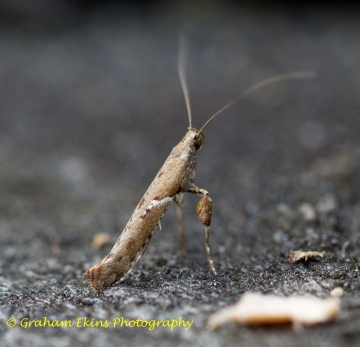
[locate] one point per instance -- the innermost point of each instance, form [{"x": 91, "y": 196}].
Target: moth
[{"x": 175, "y": 178}]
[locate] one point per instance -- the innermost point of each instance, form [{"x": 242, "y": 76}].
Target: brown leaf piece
[
  {"x": 100, "y": 239},
  {"x": 295, "y": 256},
  {"x": 259, "y": 309}
]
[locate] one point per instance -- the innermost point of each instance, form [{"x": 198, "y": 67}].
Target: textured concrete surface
[{"x": 90, "y": 108}]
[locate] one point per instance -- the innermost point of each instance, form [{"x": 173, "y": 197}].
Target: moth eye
[{"x": 197, "y": 144}]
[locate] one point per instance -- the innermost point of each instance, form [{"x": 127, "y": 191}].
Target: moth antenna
[
  {"x": 182, "y": 57},
  {"x": 259, "y": 85}
]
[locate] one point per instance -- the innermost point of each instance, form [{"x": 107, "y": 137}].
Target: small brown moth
[{"x": 175, "y": 178}]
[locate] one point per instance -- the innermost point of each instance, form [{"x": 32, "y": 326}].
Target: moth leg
[
  {"x": 178, "y": 199},
  {"x": 204, "y": 210}
]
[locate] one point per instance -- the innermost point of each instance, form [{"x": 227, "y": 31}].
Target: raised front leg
[{"x": 204, "y": 210}]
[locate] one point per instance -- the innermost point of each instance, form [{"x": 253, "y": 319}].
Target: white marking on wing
[{"x": 156, "y": 203}]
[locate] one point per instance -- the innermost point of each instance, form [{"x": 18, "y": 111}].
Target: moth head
[
  {"x": 198, "y": 141},
  {"x": 197, "y": 138}
]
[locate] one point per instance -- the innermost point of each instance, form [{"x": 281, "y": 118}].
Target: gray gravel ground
[{"x": 91, "y": 106}]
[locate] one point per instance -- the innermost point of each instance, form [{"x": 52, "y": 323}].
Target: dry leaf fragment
[
  {"x": 56, "y": 249},
  {"x": 100, "y": 239},
  {"x": 295, "y": 256},
  {"x": 337, "y": 292},
  {"x": 259, "y": 309}
]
